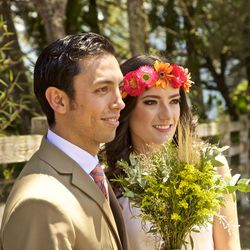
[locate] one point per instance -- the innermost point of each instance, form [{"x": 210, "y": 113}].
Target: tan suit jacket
[{"x": 54, "y": 204}]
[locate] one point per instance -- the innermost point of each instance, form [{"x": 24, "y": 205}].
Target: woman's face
[{"x": 155, "y": 117}]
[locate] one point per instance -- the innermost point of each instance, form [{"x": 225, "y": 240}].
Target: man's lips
[{"x": 114, "y": 121}]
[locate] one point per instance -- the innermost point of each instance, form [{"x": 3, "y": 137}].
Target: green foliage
[
  {"x": 74, "y": 16},
  {"x": 8, "y": 173},
  {"x": 177, "y": 197},
  {"x": 181, "y": 30},
  {"x": 113, "y": 23},
  {"x": 241, "y": 97},
  {"x": 10, "y": 107},
  {"x": 34, "y": 29}
]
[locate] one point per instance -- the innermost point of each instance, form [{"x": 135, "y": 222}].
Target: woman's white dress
[{"x": 140, "y": 240}]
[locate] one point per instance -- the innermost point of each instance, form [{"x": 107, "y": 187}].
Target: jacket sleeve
[{"x": 37, "y": 224}]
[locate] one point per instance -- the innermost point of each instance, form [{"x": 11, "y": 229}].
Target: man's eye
[
  {"x": 102, "y": 90},
  {"x": 150, "y": 102}
]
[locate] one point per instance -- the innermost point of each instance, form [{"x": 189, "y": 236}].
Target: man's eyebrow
[
  {"x": 107, "y": 81},
  {"x": 102, "y": 81}
]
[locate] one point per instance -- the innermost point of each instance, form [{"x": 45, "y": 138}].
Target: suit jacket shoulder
[{"x": 53, "y": 188}]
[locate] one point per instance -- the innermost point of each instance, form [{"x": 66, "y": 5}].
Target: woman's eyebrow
[
  {"x": 151, "y": 96},
  {"x": 158, "y": 97}
]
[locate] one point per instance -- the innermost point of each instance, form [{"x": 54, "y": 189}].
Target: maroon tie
[{"x": 98, "y": 176}]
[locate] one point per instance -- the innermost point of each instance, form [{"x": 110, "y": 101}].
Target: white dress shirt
[{"x": 86, "y": 161}]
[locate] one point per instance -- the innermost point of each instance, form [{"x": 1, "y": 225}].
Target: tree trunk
[
  {"x": 73, "y": 13},
  {"x": 52, "y": 13},
  {"x": 220, "y": 80},
  {"x": 194, "y": 65},
  {"x": 18, "y": 68},
  {"x": 246, "y": 56},
  {"x": 137, "y": 27},
  {"x": 93, "y": 16},
  {"x": 171, "y": 19}
]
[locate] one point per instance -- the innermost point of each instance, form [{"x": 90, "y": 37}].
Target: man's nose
[{"x": 118, "y": 103}]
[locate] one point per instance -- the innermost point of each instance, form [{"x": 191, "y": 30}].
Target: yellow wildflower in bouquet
[{"x": 177, "y": 188}]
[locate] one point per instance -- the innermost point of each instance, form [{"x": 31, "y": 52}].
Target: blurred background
[{"x": 211, "y": 38}]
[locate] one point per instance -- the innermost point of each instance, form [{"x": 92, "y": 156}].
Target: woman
[{"x": 155, "y": 102}]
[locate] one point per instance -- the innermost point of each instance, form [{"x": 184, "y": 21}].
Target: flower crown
[{"x": 161, "y": 75}]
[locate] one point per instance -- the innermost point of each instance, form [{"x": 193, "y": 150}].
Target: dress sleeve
[
  {"x": 37, "y": 224},
  {"x": 226, "y": 231}
]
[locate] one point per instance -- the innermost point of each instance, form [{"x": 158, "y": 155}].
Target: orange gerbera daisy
[
  {"x": 188, "y": 83},
  {"x": 164, "y": 72}
]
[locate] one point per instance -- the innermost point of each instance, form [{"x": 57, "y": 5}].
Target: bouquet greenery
[{"x": 177, "y": 188}]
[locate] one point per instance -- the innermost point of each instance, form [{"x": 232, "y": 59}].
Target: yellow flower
[
  {"x": 175, "y": 216},
  {"x": 183, "y": 184},
  {"x": 183, "y": 204}
]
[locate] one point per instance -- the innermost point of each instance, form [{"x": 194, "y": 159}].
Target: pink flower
[
  {"x": 179, "y": 76},
  {"x": 162, "y": 74},
  {"x": 146, "y": 75},
  {"x": 131, "y": 84}
]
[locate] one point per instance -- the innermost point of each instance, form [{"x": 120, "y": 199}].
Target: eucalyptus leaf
[
  {"x": 231, "y": 189},
  {"x": 129, "y": 194},
  {"x": 244, "y": 181},
  {"x": 216, "y": 163},
  {"x": 243, "y": 187}
]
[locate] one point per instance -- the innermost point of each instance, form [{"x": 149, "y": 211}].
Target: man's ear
[{"x": 57, "y": 99}]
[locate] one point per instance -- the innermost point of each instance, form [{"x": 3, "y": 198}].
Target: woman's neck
[{"x": 146, "y": 148}]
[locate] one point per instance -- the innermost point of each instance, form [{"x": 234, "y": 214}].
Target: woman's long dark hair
[{"x": 121, "y": 146}]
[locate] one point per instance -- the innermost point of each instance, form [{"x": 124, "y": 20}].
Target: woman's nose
[{"x": 165, "y": 112}]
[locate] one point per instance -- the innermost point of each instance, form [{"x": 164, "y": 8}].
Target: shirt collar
[{"x": 86, "y": 161}]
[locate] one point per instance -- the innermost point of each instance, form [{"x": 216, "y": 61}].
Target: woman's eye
[
  {"x": 175, "y": 101},
  {"x": 150, "y": 102}
]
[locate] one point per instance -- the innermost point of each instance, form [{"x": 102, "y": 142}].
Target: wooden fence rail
[{"x": 20, "y": 148}]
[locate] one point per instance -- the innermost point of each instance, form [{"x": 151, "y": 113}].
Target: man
[{"x": 55, "y": 202}]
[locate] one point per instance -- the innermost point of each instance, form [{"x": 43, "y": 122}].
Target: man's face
[{"x": 92, "y": 117}]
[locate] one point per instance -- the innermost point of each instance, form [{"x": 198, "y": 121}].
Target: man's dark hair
[{"x": 59, "y": 63}]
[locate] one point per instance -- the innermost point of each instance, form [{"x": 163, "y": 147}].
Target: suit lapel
[
  {"x": 65, "y": 165},
  {"x": 82, "y": 181}
]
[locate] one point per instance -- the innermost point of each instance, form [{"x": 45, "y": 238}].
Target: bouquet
[{"x": 177, "y": 188}]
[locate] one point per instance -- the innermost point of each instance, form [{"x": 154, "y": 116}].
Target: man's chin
[{"x": 109, "y": 138}]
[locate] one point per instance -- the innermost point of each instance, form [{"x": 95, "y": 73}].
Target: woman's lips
[{"x": 163, "y": 128}]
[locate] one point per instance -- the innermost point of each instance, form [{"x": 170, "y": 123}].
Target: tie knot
[{"x": 97, "y": 171}]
